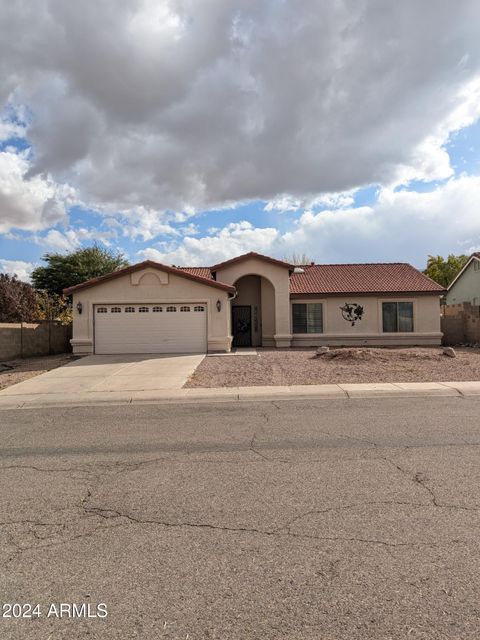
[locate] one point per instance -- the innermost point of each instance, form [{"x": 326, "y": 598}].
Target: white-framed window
[
  {"x": 307, "y": 317},
  {"x": 102, "y": 309},
  {"x": 116, "y": 310},
  {"x": 171, "y": 309},
  {"x": 143, "y": 309},
  {"x": 199, "y": 308},
  {"x": 397, "y": 317},
  {"x": 129, "y": 309},
  {"x": 184, "y": 308},
  {"x": 157, "y": 309},
  {"x": 476, "y": 265}
]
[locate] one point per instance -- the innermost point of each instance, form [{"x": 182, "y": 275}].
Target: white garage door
[{"x": 150, "y": 328}]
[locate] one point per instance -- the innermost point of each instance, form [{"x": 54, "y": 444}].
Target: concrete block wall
[
  {"x": 461, "y": 323},
  {"x": 24, "y": 340}
]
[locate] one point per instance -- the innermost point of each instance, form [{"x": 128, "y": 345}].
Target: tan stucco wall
[
  {"x": 466, "y": 288},
  {"x": 153, "y": 286},
  {"x": 278, "y": 276},
  {"x": 268, "y": 313},
  {"x": 369, "y": 330}
]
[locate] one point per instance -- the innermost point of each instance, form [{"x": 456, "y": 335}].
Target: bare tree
[{"x": 298, "y": 259}]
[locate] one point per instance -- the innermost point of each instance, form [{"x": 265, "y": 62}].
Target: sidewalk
[{"x": 238, "y": 394}]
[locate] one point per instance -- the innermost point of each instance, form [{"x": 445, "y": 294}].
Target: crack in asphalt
[
  {"x": 347, "y": 508},
  {"x": 95, "y": 475},
  {"x": 114, "y": 513},
  {"x": 108, "y": 514},
  {"x": 419, "y": 479}
]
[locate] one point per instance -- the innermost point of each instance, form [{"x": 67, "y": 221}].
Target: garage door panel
[{"x": 150, "y": 332}]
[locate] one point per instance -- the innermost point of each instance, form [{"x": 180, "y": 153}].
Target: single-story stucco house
[
  {"x": 466, "y": 285},
  {"x": 253, "y": 300}
]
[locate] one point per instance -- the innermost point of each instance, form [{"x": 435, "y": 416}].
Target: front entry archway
[{"x": 253, "y": 312}]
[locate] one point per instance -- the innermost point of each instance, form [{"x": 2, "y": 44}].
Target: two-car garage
[
  {"x": 151, "y": 308},
  {"x": 150, "y": 328}
]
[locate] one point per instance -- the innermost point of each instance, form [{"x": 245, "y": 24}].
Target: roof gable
[
  {"x": 249, "y": 255},
  {"x": 473, "y": 257},
  {"x": 153, "y": 265}
]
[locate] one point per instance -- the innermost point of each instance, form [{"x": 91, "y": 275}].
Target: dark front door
[{"x": 242, "y": 326}]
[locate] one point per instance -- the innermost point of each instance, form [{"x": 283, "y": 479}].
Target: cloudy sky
[{"x": 190, "y": 131}]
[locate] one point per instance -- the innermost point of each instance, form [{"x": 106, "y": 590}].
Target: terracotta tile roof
[
  {"x": 202, "y": 272},
  {"x": 361, "y": 278}
]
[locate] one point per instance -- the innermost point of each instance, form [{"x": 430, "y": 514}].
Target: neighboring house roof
[
  {"x": 153, "y": 265},
  {"x": 203, "y": 272},
  {"x": 252, "y": 254},
  {"x": 474, "y": 256},
  {"x": 376, "y": 278}
]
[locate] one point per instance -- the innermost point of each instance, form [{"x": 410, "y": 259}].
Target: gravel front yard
[
  {"x": 29, "y": 367},
  {"x": 300, "y": 366}
]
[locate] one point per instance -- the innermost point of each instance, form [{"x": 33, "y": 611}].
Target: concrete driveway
[{"x": 116, "y": 373}]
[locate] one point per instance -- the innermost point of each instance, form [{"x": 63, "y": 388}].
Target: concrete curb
[{"x": 239, "y": 394}]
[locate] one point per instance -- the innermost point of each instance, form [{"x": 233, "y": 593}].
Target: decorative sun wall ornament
[{"x": 352, "y": 312}]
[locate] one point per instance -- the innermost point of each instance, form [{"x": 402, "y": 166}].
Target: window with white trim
[
  {"x": 171, "y": 309},
  {"x": 157, "y": 309},
  {"x": 184, "y": 308},
  {"x": 199, "y": 308},
  {"x": 397, "y": 317},
  {"x": 307, "y": 317},
  {"x": 116, "y": 310},
  {"x": 129, "y": 309},
  {"x": 476, "y": 265},
  {"x": 143, "y": 309},
  {"x": 102, "y": 309}
]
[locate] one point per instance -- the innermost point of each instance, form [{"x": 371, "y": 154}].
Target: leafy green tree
[
  {"x": 66, "y": 270},
  {"x": 444, "y": 270},
  {"x": 17, "y": 300}
]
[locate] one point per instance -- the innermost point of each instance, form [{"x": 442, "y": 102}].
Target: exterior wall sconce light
[
  {"x": 79, "y": 307},
  {"x": 219, "y": 305}
]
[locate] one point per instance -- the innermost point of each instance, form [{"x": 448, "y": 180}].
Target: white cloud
[
  {"x": 71, "y": 239},
  {"x": 60, "y": 241},
  {"x": 30, "y": 204},
  {"x": 20, "y": 268},
  {"x": 12, "y": 122},
  {"x": 401, "y": 226},
  {"x": 186, "y": 105},
  {"x": 283, "y": 203},
  {"x": 289, "y": 203},
  {"x": 9, "y": 129},
  {"x": 234, "y": 239}
]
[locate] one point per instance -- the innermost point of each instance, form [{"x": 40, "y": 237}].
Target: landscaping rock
[
  {"x": 450, "y": 352},
  {"x": 322, "y": 350},
  {"x": 349, "y": 354}
]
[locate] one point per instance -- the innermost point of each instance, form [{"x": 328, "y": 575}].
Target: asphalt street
[{"x": 325, "y": 519}]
